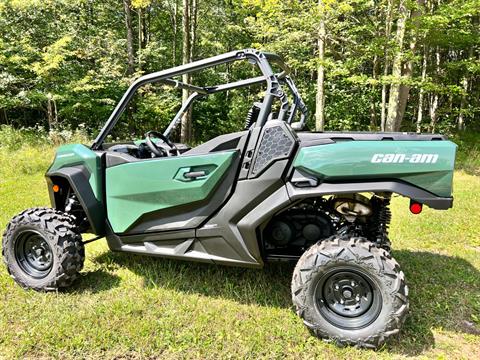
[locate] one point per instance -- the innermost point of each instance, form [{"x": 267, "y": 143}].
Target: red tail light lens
[{"x": 415, "y": 208}]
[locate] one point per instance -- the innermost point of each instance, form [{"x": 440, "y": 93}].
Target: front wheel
[
  {"x": 350, "y": 291},
  {"x": 42, "y": 249}
]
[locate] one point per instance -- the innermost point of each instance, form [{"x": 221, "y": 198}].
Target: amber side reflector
[
  {"x": 56, "y": 188},
  {"x": 415, "y": 208}
]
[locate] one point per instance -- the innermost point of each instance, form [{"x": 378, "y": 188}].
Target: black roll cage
[{"x": 259, "y": 58}]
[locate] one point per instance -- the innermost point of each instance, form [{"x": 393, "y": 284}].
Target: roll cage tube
[
  {"x": 261, "y": 59},
  {"x": 297, "y": 103}
]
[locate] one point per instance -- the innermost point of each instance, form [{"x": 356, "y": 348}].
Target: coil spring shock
[
  {"x": 380, "y": 221},
  {"x": 252, "y": 116}
]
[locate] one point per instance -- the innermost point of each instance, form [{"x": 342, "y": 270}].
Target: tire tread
[
  {"x": 355, "y": 250},
  {"x": 69, "y": 247}
]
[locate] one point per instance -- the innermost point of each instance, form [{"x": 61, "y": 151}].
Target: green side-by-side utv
[{"x": 271, "y": 192}]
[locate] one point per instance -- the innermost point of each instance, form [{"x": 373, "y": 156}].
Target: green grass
[{"x": 128, "y": 306}]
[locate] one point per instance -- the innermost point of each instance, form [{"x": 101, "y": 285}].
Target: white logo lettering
[{"x": 404, "y": 158}]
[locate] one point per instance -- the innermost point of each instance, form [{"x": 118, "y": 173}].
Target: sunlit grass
[{"x": 135, "y": 307}]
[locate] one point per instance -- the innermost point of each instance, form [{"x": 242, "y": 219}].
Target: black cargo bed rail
[{"x": 328, "y": 137}]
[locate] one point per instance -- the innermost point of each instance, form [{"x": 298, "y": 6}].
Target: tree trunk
[
  {"x": 145, "y": 29},
  {"x": 140, "y": 38},
  {"x": 403, "y": 94},
  {"x": 320, "y": 96},
  {"x": 147, "y": 25},
  {"x": 408, "y": 67},
  {"x": 174, "y": 25},
  {"x": 433, "y": 112},
  {"x": 193, "y": 28},
  {"x": 373, "y": 110},
  {"x": 185, "y": 131},
  {"x": 386, "y": 69},
  {"x": 142, "y": 34},
  {"x": 55, "y": 111},
  {"x": 463, "y": 101},
  {"x": 435, "y": 97},
  {"x": 5, "y": 117},
  {"x": 421, "y": 91},
  {"x": 51, "y": 112},
  {"x": 128, "y": 23},
  {"x": 394, "y": 99},
  {"x": 399, "y": 93}
]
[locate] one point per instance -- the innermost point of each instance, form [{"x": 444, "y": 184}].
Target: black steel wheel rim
[
  {"x": 33, "y": 253},
  {"x": 348, "y": 298}
]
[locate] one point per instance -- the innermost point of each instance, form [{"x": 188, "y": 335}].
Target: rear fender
[
  {"x": 404, "y": 189},
  {"x": 426, "y": 165}
]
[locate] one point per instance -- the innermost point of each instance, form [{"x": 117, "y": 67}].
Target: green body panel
[
  {"x": 141, "y": 187},
  {"x": 77, "y": 154},
  {"x": 426, "y": 164}
]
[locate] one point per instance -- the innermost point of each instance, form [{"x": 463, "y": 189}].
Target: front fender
[{"x": 77, "y": 178}]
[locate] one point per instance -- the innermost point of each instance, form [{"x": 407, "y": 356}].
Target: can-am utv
[{"x": 269, "y": 192}]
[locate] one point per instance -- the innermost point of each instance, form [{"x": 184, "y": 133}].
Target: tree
[
  {"x": 186, "y": 58},
  {"x": 128, "y": 24},
  {"x": 421, "y": 91},
  {"x": 320, "y": 96},
  {"x": 392, "y": 120},
  {"x": 66, "y": 63},
  {"x": 386, "y": 67}
]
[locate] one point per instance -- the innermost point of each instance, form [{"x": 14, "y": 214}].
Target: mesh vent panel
[{"x": 275, "y": 144}]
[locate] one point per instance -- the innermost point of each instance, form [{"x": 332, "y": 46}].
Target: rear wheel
[
  {"x": 42, "y": 249},
  {"x": 350, "y": 291}
]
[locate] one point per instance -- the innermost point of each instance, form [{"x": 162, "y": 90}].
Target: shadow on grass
[
  {"x": 444, "y": 293},
  {"x": 444, "y": 290},
  {"x": 269, "y": 286},
  {"x": 94, "y": 282}
]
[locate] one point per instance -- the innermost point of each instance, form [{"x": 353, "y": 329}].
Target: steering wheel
[{"x": 163, "y": 149}]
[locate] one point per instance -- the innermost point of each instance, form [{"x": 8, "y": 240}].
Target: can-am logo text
[{"x": 404, "y": 158}]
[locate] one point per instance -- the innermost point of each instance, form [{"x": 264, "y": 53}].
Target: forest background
[{"x": 409, "y": 65}]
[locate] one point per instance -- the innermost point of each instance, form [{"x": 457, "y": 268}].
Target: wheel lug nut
[
  {"x": 337, "y": 287},
  {"x": 353, "y": 283}
]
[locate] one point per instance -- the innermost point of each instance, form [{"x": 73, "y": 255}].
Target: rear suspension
[{"x": 379, "y": 222}]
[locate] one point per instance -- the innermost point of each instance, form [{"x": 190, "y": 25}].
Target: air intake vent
[{"x": 275, "y": 144}]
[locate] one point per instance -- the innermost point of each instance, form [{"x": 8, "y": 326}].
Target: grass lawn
[{"x": 127, "y": 306}]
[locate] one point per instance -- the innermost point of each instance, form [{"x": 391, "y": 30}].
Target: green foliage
[
  {"x": 63, "y": 63},
  {"x": 468, "y": 156},
  {"x": 12, "y": 139}
]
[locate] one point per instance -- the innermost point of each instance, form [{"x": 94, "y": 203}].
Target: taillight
[{"x": 415, "y": 207}]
